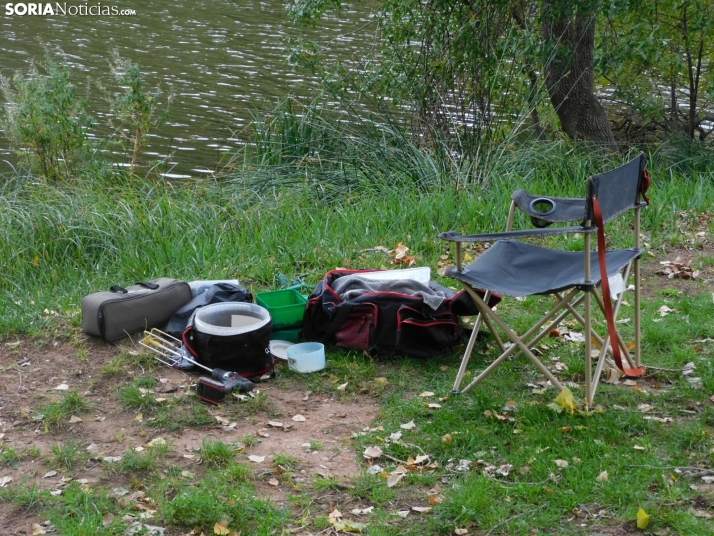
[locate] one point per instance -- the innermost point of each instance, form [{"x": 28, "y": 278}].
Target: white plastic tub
[
  {"x": 306, "y": 357},
  {"x": 226, "y": 319}
]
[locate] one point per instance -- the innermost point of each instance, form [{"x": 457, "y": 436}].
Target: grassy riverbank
[
  {"x": 528, "y": 469},
  {"x": 63, "y": 242}
]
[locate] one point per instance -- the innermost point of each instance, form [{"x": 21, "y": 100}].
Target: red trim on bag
[{"x": 434, "y": 322}]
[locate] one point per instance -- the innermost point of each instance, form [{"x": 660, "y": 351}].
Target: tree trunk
[{"x": 570, "y": 34}]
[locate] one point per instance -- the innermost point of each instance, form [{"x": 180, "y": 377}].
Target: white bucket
[{"x": 225, "y": 319}]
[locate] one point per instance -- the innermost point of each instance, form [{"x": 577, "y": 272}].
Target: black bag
[
  {"x": 247, "y": 354},
  {"x": 386, "y": 323}
]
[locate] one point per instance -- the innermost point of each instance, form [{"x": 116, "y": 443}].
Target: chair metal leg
[
  {"x": 488, "y": 313},
  {"x": 467, "y": 355}
]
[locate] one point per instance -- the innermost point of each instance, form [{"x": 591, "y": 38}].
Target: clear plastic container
[{"x": 306, "y": 357}]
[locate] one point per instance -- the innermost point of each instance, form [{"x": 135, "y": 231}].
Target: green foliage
[
  {"x": 46, "y": 121},
  {"x": 658, "y": 57},
  {"x": 137, "y": 109}
]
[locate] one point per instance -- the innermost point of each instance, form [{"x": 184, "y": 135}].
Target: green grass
[
  {"x": 217, "y": 453},
  {"x": 68, "y": 455},
  {"x": 56, "y": 415}
]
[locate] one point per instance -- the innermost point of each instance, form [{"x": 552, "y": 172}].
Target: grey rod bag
[{"x": 119, "y": 312}]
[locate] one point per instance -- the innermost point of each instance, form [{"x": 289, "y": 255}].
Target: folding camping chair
[{"x": 513, "y": 267}]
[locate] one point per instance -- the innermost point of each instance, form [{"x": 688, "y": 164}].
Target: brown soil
[{"x": 31, "y": 370}]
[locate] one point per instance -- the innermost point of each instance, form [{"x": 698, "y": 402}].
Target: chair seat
[{"x": 516, "y": 268}]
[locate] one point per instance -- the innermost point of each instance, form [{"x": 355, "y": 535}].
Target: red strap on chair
[
  {"x": 609, "y": 316},
  {"x": 645, "y": 184}
]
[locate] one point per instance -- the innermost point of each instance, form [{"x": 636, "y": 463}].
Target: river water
[{"x": 222, "y": 60}]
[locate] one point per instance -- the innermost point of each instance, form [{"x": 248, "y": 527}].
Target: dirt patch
[
  {"x": 684, "y": 259},
  {"x": 314, "y": 432}
]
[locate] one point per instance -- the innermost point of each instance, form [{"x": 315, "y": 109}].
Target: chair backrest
[{"x": 618, "y": 190}]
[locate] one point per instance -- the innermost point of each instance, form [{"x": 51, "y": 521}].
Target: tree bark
[{"x": 569, "y": 30}]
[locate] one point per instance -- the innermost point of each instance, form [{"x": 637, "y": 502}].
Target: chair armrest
[
  {"x": 454, "y": 236},
  {"x": 545, "y": 210}
]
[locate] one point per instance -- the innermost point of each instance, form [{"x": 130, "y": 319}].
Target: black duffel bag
[{"x": 400, "y": 317}]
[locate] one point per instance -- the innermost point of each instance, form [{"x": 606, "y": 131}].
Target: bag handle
[
  {"x": 118, "y": 289},
  {"x": 148, "y": 284}
]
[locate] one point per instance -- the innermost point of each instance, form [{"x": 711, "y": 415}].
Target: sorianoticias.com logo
[{"x": 57, "y": 8}]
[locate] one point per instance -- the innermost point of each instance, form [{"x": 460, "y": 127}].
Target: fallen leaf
[
  {"x": 447, "y": 438},
  {"x": 421, "y": 509},
  {"x": 408, "y": 426},
  {"x": 4, "y": 481},
  {"x": 61, "y": 387},
  {"x": 156, "y": 442},
  {"x": 256, "y": 459},
  {"x": 37, "y": 529},
  {"x": 393, "y": 479},
  {"x": 273, "y": 482},
  {"x": 342, "y": 387},
  {"x": 664, "y": 310},
  {"x": 74, "y": 419},
  {"x": 434, "y": 406},
  {"x": 643, "y": 519},
  {"x": 347, "y": 525},
  {"x": 566, "y": 400},
  {"x": 139, "y": 418},
  {"x": 460, "y": 532},
  {"x": 562, "y": 463},
  {"x": 363, "y": 511},
  {"x": 221, "y": 528},
  {"x": 426, "y": 394},
  {"x": 299, "y": 418},
  {"x": 275, "y": 424},
  {"x": 602, "y": 477},
  {"x": 50, "y": 474},
  {"x": 372, "y": 452},
  {"x": 403, "y": 513}
]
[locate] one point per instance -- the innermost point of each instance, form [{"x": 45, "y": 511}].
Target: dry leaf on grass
[
  {"x": 421, "y": 509},
  {"x": 643, "y": 519},
  {"x": 372, "y": 453},
  {"x": 221, "y": 528},
  {"x": 256, "y": 459},
  {"x": 602, "y": 477}
]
